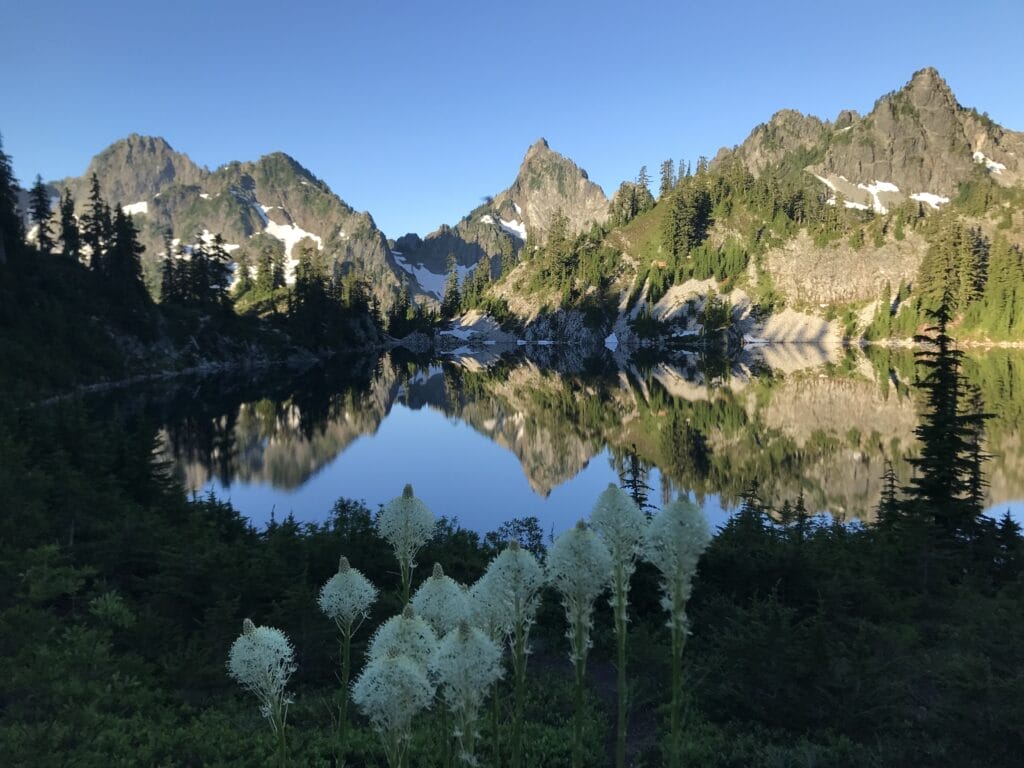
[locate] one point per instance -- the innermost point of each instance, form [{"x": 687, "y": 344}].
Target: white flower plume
[
  {"x": 262, "y": 660},
  {"x": 619, "y": 522},
  {"x": 509, "y": 591},
  {"x": 347, "y": 596},
  {"x": 391, "y": 690},
  {"x": 579, "y": 567},
  {"x": 441, "y": 601},
  {"x": 406, "y": 524},
  {"x": 406, "y": 634},
  {"x": 675, "y": 540},
  {"x": 467, "y": 663}
]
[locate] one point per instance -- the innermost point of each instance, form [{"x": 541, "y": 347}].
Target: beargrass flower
[
  {"x": 407, "y": 634},
  {"x": 262, "y": 660},
  {"x": 675, "y": 540},
  {"x": 467, "y": 663},
  {"x": 579, "y": 566},
  {"x": 392, "y": 689},
  {"x": 441, "y": 602},
  {"x": 621, "y": 525},
  {"x": 406, "y": 524},
  {"x": 346, "y": 598},
  {"x": 505, "y": 601}
]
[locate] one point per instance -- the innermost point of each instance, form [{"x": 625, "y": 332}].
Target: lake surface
[{"x": 485, "y": 440}]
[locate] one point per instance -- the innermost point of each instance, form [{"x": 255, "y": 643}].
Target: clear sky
[{"x": 414, "y": 110}]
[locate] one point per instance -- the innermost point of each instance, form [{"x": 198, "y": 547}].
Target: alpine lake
[{"x": 537, "y": 432}]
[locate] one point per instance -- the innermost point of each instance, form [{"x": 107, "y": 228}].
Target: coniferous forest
[{"x": 140, "y": 626}]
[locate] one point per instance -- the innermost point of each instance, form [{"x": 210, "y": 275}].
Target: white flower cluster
[
  {"x": 508, "y": 593},
  {"x": 467, "y": 663},
  {"x": 620, "y": 523},
  {"x": 391, "y": 690},
  {"x": 579, "y": 566},
  {"x": 675, "y": 540},
  {"x": 347, "y": 596},
  {"x": 441, "y": 601},
  {"x": 261, "y": 660},
  {"x": 407, "y": 635},
  {"x": 406, "y": 524}
]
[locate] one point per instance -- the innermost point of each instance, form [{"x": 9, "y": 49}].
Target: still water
[{"x": 485, "y": 440}]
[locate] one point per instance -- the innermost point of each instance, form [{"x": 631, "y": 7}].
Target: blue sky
[{"x": 414, "y": 110}]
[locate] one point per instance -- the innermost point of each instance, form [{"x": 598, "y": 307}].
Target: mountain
[
  {"x": 547, "y": 182},
  {"x": 274, "y": 196},
  {"x": 917, "y": 142}
]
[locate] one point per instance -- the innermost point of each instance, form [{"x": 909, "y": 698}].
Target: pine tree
[
  {"x": 451, "y": 301},
  {"x": 69, "y": 234},
  {"x": 39, "y": 204}
]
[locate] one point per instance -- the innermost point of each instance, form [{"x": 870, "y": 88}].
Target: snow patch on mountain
[
  {"x": 487, "y": 219},
  {"x": 930, "y": 198},
  {"x": 431, "y": 282},
  {"x": 874, "y": 188},
  {"x": 134, "y": 208},
  {"x": 992, "y": 165},
  {"x": 514, "y": 228}
]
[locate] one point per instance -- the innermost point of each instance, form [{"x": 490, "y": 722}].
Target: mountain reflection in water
[{"x": 488, "y": 439}]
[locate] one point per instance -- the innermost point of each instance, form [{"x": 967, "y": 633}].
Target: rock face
[
  {"x": 769, "y": 143},
  {"x": 547, "y": 182},
  {"x": 274, "y": 200},
  {"x": 917, "y": 142}
]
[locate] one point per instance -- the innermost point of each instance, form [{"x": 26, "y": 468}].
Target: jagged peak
[{"x": 135, "y": 142}]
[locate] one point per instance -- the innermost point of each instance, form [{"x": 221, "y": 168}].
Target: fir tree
[
  {"x": 97, "y": 225},
  {"x": 169, "y": 273},
  {"x": 39, "y": 204},
  {"x": 12, "y": 233},
  {"x": 69, "y": 234},
  {"x": 668, "y": 180},
  {"x": 451, "y": 301},
  {"x": 122, "y": 265},
  {"x": 945, "y": 489}
]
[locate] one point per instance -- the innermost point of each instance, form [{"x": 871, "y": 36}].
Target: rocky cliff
[{"x": 547, "y": 182}]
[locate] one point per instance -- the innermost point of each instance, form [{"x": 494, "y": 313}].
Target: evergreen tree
[
  {"x": 12, "y": 233},
  {"x": 219, "y": 273},
  {"x": 69, "y": 234},
  {"x": 889, "y": 504},
  {"x": 633, "y": 480},
  {"x": 945, "y": 488},
  {"x": 642, "y": 178},
  {"x": 668, "y": 180},
  {"x": 243, "y": 272},
  {"x": 169, "y": 272},
  {"x": 96, "y": 225},
  {"x": 451, "y": 301},
  {"x": 122, "y": 265},
  {"x": 39, "y": 205}
]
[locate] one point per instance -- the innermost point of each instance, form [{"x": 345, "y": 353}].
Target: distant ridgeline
[{"x": 809, "y": 231}]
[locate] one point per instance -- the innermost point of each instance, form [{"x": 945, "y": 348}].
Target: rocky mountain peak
[
  {"x": 136, "y": 168},
  {"x": 548, "y": 182}
]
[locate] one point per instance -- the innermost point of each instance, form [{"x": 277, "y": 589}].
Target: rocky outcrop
[
  {"x": 547, "y": 183},
  {"x": 916, "y": 143}
]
